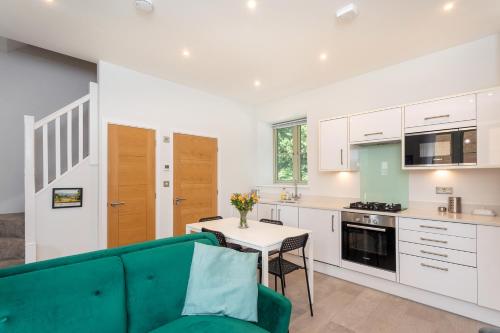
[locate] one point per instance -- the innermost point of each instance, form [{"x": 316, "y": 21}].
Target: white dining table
[{"x": 261, "y": 236}]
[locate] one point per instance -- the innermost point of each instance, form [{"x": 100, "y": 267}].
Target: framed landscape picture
[{"x": 67, "y": 197}]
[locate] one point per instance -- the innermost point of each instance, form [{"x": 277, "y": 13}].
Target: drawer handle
[
  {"x": 437, "y": 117},
  {"x": 374, "y": 133},
  {"x": 433, "y": 227},
  {"x": 433, "y": 240},
  {"x": 434, "y": 267},
  {"x": 434, "y": 253}
]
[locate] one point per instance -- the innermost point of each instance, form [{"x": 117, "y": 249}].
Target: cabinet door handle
[
  {"x": 279, "y": 214},
  {"x": 434, "y": 253},
  {"x": 437, "y": 117},
  {"x": 341, "y": 156},
  {"x": 434, "y": 267},
  {"x": 433, "y": 227},
  {"x": 333, "y": 222},
  {"x": 434, "y": 240},
  {"x": 272, "y": 213},
  {"x": 374, "y": 133}
]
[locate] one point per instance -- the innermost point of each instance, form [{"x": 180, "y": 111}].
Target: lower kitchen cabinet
[
  {"x": 440, "y": 277},
  {"x": 488, "y": 266},
  {"x": 266, "y": 211},
  {"x": 289, "y": 215},
  {"x": 325, "y": 227}
]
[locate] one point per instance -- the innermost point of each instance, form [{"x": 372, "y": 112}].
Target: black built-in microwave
[{"x": 441, "y": 148}]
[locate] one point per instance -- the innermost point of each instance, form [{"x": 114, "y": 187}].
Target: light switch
[
  {"x": 166, "y": 183},
  {"x": 384, "y": 168},
  {"x": 444, "y": 190}
]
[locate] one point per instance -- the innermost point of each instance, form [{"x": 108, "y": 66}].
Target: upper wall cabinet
[
  {"x": 375, "y": 126},
  {"x": 333, "y": 144},
  {"x": 422, "y": 117},
  {"x": 488, "y": 128}
]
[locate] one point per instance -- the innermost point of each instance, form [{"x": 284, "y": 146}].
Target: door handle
[
  {"x": 333, "y": 221},
  {"x": 341, "y": 156},
  {"x": 117, "y": 203},
  {"x": 179, "y": 200}
]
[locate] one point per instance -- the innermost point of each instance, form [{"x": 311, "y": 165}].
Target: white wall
[
  {"x": 62, "y": 232},
  {"x": 32, "y": 82},
  {"x": 133, "y": 98},
  {"x": 467, "y": 67}
]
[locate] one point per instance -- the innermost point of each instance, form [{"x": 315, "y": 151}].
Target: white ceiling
[{"x": 279, "y": 43}]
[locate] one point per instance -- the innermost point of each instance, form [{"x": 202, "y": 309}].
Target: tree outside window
[{"x": 290, "y": 154}]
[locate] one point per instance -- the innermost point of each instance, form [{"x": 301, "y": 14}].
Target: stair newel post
[
  {"x": 93, "y": 124},
  {"x": 29, "y": 189}
]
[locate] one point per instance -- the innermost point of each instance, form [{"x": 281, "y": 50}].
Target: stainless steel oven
[
  {"x": 441, "y": 148},
  {"x": 369, "y": 239}
]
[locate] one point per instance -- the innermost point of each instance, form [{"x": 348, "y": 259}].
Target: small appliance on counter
[
  {"x": 376, "y": 206},
  {"x": 484, "y": 212},
  {"x": 455, "y": 205},
  {"x": 442, "y": 209}
]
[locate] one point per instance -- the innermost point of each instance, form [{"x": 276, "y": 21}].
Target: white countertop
[{"x": 418, "y": 213}]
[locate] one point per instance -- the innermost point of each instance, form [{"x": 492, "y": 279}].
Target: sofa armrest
[{"x": 274, "y": 311}]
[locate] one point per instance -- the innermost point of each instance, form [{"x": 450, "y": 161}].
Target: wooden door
[
  {"x": 195, "y": 180},
  {"x": 131, "y": 185}
]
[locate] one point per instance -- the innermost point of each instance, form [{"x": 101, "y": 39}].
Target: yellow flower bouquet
[{"x": 244, "y": 203}]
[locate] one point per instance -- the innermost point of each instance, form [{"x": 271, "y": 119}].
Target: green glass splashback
[{"x": 381, "y": 176}]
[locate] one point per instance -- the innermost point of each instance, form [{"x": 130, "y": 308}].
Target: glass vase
[{"x": 243, "y": 219}]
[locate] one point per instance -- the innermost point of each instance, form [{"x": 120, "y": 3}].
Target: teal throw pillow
[{"x": 222, "y": 282}]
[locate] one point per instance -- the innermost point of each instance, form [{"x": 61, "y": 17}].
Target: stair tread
[
  {"x": 11, "y": 262},
  {"x": 11, "y": 248},
  {"x": 12, "y": 225}
]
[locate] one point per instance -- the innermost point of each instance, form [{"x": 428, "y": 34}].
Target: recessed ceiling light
[
  {"x": 448, "y": 6},
  {"x": 347, "y": 12},
  {"x": 49, "y": 1},
  {"x": 256, "y": 83},
  {"x": 186, "y": 53},
  {"x": 323, "y": 56},
  {"x": 144, "y": 5},
  {"x": 252, "y": 4}
]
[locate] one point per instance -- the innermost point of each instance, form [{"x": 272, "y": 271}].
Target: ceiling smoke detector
[
  {"x": 347, "y": 12},
  {"x": 144, "y": 5}
]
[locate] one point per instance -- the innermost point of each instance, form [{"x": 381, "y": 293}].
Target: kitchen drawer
[
  {"x": 439, "y": 227},
  {"x": 375, "y": 126},
  {"x": 443, "y": 278},
  {"x": 438, "y": 253},
  {"x": 449, "y": 110},
  {"x": 444, "y": 241}
]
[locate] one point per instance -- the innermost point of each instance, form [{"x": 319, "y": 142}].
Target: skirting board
[{"x": 445, "y": 303}]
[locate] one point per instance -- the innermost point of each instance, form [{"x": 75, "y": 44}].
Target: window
[{"x": 290, "y": 152}]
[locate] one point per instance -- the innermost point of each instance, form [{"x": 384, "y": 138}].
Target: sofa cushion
[
  {"x": 222, "y": 282},
  {"x": 157, "y": 280},
  {"x": 209, "y": 324},
  {"x": 82, "y": 297}
]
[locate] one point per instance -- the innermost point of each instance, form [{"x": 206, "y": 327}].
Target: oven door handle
[{"x": 365, "y": 228}]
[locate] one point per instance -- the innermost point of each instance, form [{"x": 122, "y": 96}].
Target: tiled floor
[{"x": 345, "y": 307}]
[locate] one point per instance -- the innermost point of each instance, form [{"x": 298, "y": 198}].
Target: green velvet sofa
[{"x": 137, "y": 289}]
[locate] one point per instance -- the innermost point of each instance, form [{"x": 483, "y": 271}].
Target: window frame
[{"x": 296, "y": 161}]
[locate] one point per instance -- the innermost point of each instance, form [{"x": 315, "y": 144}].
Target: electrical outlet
[
  {"x": 444, "y": 190},
  {"x": 166, "y": 183}
]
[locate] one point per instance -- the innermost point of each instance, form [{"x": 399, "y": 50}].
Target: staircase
[{"x": 11, "y": 239}]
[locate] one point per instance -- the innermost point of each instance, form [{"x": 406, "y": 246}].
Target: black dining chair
[
  {"x": 279, "y": 267},
  {"x": 222, "y": 239}
]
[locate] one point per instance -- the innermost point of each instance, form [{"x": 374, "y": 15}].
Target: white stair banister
[{"x": 29, "y": 188}]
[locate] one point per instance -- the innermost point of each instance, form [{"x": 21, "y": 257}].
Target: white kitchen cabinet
[
  {"x": 333, "y": 144},
  {"x": 289, "y": 215},
  {"x": 439, "y": 277},
  {"x": 384, "y": 125},
  {"x": 449, "y": 110},
  {"x": 325, "y": 227},
  {"x": 488, "y": 266},
  {"x": 488, "y": 128},
  {"x": 266, "y": 211}
]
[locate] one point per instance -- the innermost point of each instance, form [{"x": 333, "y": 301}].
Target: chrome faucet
[{"x": 296, "y": 195}]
